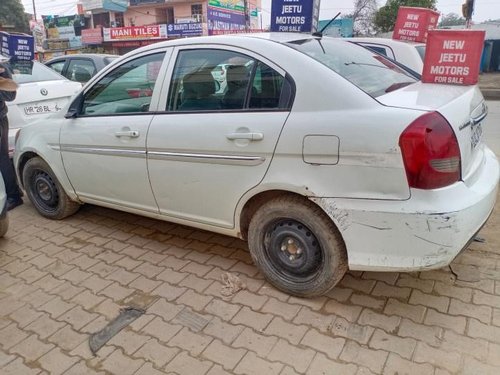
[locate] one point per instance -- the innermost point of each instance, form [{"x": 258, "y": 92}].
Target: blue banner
[
  {"x": 141, "y": 2},
  {"x": 220, "y": 20},
  {"x": 180, "y": 30},
  {"x": 294, "y": 15},
  {"x": 17, "y": 47}
]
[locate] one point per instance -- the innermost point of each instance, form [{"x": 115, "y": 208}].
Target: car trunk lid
[
  {"x": 43, "y": 98},
  {"x": 463, "y": 107}
]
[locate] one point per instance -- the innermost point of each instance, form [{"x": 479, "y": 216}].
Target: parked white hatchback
[
  {"x": 41, "y": 93},
  {"x": 352, "y": 165}
]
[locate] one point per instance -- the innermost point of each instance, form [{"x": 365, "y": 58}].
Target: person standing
[{"x": 7, "y": 93}]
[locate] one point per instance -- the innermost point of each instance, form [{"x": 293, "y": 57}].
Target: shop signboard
[
  {"x": 339, "y": 28},
  {"x": 294, "y": 15},
  {"x": 92, "y": 36},
  {"x": 17, "y": 47},
  {"x": 453, "y": 56},
  {"x": 180, "y": 30},
  {"x": 134, "y": 33},
  {"x": 225, "y": 16},
  {"x": 413, "y": 24},
  {"x": 110, "y": 5}
]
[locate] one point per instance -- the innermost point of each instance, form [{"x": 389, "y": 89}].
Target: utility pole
[
  {"x": 467, "y": 10},
  {"x": 247, "y": 15},
  {"x": 34, "y": 9}
]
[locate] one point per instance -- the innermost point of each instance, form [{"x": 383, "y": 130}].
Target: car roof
[{"x": 229, "y": 38}]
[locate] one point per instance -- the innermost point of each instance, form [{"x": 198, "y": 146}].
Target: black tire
[
  {"x": 297, "y": 247},
  {"x": 45, "y": 191},
  {"x": 4, "y": 226}
]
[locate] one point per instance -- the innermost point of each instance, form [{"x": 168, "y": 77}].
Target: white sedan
[
  {"x": 410, "y": 54},
  {"x": 41, "y": 93},
  {"x": 353, "y": 165}
]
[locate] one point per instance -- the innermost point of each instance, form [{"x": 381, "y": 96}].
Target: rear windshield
[
  {"x": 369, "y": 71},
  {"x": 32, "y": 71}
]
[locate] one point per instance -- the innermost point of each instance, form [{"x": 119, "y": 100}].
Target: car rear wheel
[
  {"x": 4, "y": 225},
  {"x": 297, "y": 247},
  {"x": 45, "y": 191}
]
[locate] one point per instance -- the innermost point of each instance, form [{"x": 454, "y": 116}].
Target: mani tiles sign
[
  {"x": 134, "y": 33},
  {"x": 413, "y": 24},
  {"x": 453, "y": 56}
]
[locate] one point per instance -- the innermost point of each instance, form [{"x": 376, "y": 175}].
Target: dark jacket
[{"x": 5, "y": 96}]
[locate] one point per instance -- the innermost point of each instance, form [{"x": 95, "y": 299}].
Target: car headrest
[{"x": 199, "y": 84}]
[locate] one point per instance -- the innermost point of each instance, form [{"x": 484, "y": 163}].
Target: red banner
[
  {"x": 413, "y": 24},
  {"x": 92, "y": 36},
  {"x": 453, "y": 56}
]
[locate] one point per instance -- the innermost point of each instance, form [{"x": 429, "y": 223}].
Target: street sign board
[
  {"x": 294, "y": 15},
  {"x": 17, "y": 46},
  {"x": 414, "y": 23},
  {"x": 453, "y": 56}
]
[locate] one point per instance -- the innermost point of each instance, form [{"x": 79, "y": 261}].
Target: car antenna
[{"x": 320, "y": 33}]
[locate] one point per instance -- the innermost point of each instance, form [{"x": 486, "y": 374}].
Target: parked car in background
[
  {"x": 41, "y": 92},
  {"x": 81, "y": 67},
  {"x": 350, "y": 162},
  {"x": 407, "y": 53},
  {"x": 4, "y": 220}
]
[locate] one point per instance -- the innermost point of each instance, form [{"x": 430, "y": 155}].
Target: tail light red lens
[{"x": 431, "y": 154}]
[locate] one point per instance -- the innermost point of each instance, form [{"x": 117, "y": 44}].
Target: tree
[
  {"x": 12, "y": 14},
  {"x": 363, "y": 17},
  {"x": 451, "y": 19},
  {"x": 386, "y": 16}
]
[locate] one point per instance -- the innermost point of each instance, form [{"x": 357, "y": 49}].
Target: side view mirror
[{"x": 75, "y": 107}]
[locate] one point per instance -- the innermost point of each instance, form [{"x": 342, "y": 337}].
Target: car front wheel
[
  {"x": 297, "y": 247},
  {"x": 45, "y": 191}
]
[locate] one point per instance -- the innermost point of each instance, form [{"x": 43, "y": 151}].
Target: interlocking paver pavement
[{"x": 63, "y": 280}]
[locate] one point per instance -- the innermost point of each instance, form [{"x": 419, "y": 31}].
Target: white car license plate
[
  {"x": 475, "y": 135},
  {"x": 38, "y": 109}
]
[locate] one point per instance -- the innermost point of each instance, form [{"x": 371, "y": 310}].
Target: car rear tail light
[{"x": 431, "y": 154}]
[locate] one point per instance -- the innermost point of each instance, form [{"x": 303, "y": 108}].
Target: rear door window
[
  {"x": 80, "y": 70},
  {"x": 215, "y": 80}
]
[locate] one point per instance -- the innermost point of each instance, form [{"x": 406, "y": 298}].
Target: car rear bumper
[{"x": 426, "y": 231}]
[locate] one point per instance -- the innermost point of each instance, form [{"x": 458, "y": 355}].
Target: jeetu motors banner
[
  {"x": 453, "y": 56},
  {"x": 413, "y": 24}
]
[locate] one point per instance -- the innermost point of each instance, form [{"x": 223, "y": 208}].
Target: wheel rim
[
  {"x": 293, "y": 250},
  {"x": 44, "y": 191}
]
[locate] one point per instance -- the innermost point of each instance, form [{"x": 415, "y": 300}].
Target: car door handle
[
  {"x": 250, "y": 136},
  {"x": 128, "y": 133}
]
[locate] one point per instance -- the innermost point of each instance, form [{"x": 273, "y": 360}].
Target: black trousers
[{"x": 6, "y": 167}]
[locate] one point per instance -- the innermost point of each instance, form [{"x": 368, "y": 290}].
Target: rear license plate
[
  {"x": 475, "y": 135},
  {"x": 39, "y": 109}
]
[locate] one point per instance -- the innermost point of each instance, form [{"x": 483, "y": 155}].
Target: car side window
[
  {"x": 267, "y": 88},
  {"x": 58, "y": 66},
  {"x": 214, "y": 80},
  {"x": 80, "y": 70},
  {"x": 126, "y": 89}
]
